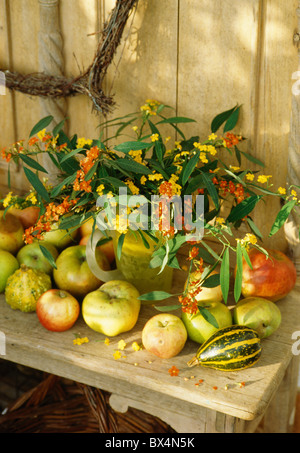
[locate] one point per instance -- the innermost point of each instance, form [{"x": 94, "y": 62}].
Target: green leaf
[
  {"x": 42, "y": 124},
  {"x": 134, "y": 146},
  {"x": 212, "y": 281},
  {"x": 145, "y": 242},
  {"x": 115, "y": 182},
  {"x": 189, "y": 168},
  {"x": 225, "y": 275},
  {"x": 208, "y": 316},
  {"x": 48, "y": 256},
  {"x": 32, "y": 163},
  {"x": 254, "y": 228},
  {"x": 120, "y": 245},
  {"x": 37, "y": 184},
  {"x": 211, "y": 189},
  {"x": 71, "y": 222},
  {"x": 196, "y": 182},
  {"x": 133, "y": 166},
  {"x": 220, "y": 119},
  {"x": 155, "y": 295},
  {"x": 239, "y": 272},
  {"x": 56, "y": 190},
  {"x": 210, "y": 250},
  {"x": 244, "y": 208},
  {"x": 282, "y": 216},
  {"x": 232, "y": 120},
  {"x": 177, "y": 119},
  {"x": 246, "y": 257},
  {"x": 166, "y": 308},
  {"x": 58, "y": 127},
  {"x": 253, "y": 159},
  {"x": 71, "y": 154}
]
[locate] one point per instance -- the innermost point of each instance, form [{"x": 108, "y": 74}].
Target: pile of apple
[{"x": 113, "y": 307}]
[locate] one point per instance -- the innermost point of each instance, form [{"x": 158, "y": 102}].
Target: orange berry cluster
[{"x": 86, "y": 164}]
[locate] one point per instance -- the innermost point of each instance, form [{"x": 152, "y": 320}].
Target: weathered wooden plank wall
[{"x": 200, "y": 56}]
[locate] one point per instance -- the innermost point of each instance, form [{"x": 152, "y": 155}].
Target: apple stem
[{"x": 62, "y": 294}]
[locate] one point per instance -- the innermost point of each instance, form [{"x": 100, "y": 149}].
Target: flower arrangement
[{"x": 149, "y": 165}]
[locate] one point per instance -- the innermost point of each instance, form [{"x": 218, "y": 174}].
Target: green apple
[
  {"x": 73, "y": 274},
  {"x": 11, "y": 233},
  {"x": 8, "y": 265},
  {"x": 259, "y": 314},
  {"x": 199, "y": 329},
  {"x": 164, "y": 335},
  {"x": 32, "y": 256},
  {"x": 113, "y": 308},
  {"x": 60, "y": 238}
]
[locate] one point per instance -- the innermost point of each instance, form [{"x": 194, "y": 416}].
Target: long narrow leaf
[
  {"x": 42, "y": 124},
  {"x": 48, "y": 256},
  {"x": 155, "y": 295},
  {"x": 282, "y": 216},
  {"x": 120, "y": 245},
  {"x": 211, "y": 190},
  {"x": 225, "y": 275},
  {"x": 37, "y": 184},
  {"x": 208, "y": 316},
  {"x": 232, "y": 120},
  {"x": 135, "y": 146},
  {"x": 244, "y": 208},
  {"x": 177, "y": 119},
  {"x": 189, "y": 168},
  {"x": 239, "y": 272},
  {"x": 32, "y": 163},
  {"x": 220, "y": 119}
]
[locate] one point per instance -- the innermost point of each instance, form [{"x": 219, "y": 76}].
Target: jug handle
[{"x": 102, "y": 275}]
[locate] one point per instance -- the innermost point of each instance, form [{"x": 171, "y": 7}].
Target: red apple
[
  {"x": 164, "y": 335},
  {"x": 107, "y": 248},
  {"x": 27, "y": 216},
  {"x": 271, "y": 278},
  {"x": 73, "y": 273},
  {"x": 57, "y": 310},
  {"x": 11, "y": 233}
]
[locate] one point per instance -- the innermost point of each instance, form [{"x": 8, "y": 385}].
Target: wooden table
[{"x": 141, "y": 380}]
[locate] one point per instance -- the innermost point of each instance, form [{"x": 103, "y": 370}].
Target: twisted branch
[{"x": 89, "y": 82}]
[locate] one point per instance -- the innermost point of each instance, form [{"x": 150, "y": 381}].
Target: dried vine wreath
[{"x": 89, "y": 82}]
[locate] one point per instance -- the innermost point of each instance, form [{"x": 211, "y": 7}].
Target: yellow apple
[
  {"x": 113, "y": 308},
  {"x": 164, "y": 335},
  {"x": 60, "y": 238},
  {"x": 259, "y": 314},
  {"x": 8, "y": 265},
  {"x": 206, "y": 294},
  {"x": 11, "y": 233},
  {"x": 73, "y": 273}
]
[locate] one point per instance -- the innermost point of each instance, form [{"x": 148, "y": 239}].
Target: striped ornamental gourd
[{"x": 229, "y": 349}]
